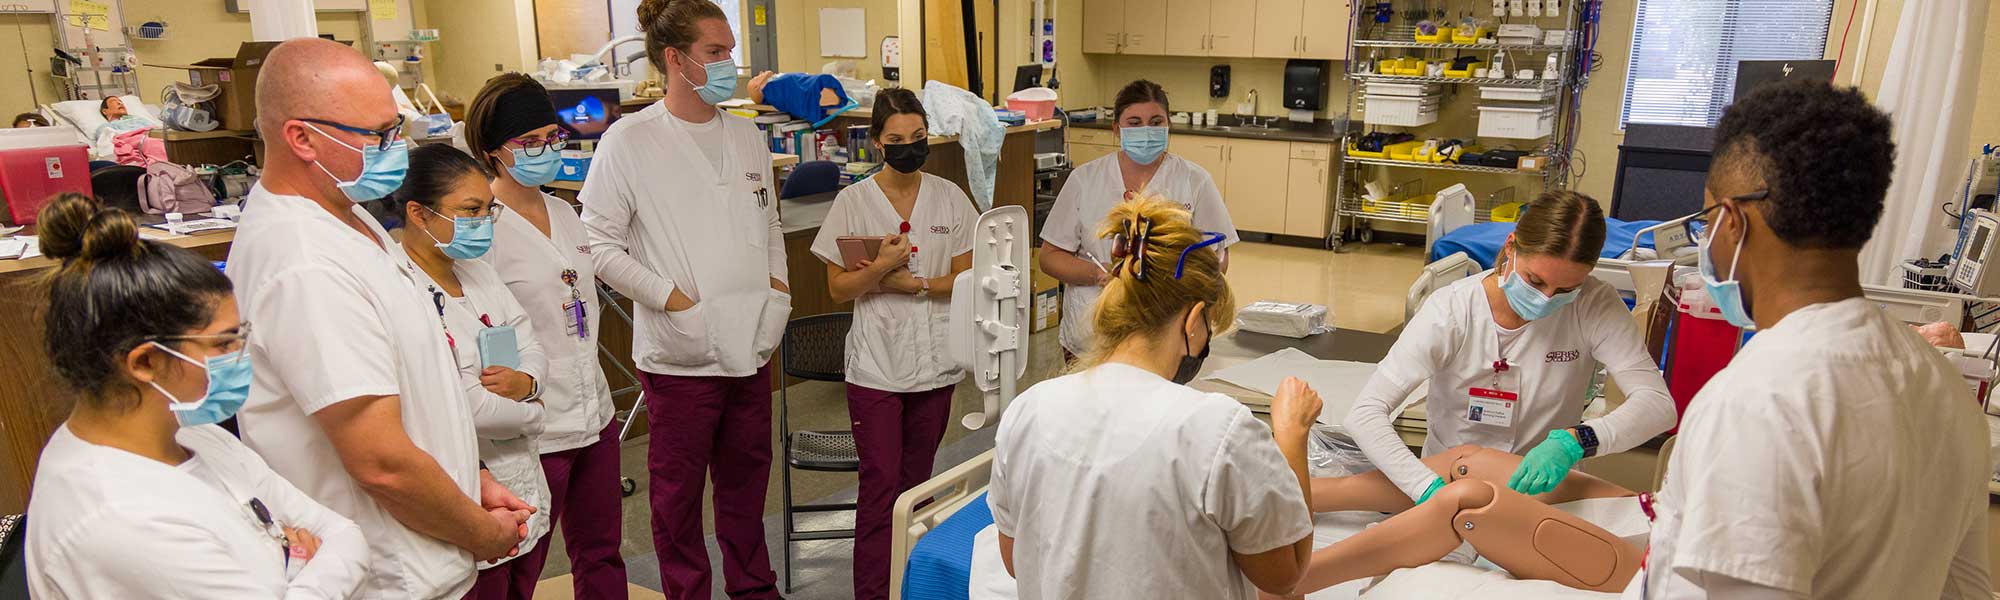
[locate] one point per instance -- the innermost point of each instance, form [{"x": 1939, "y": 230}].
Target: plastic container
[
  {"x": 1411, "y": 90},
  {"x": 1403, "y": 151},
  {"x": 1520, "y": 123},
  {"x": 1037, "y": 103},
  {"x": 1442, "y": 36},
  {"x": 1356, "y": 152},
  {"x": 1703, "y": 343},
  {"x": 1459, "y": 37},
  {"x": 1401, "y": 111},
  {"x": 1507, "y": 213},
  {"x": 1465, "y": 73},
  {"x": 1516, "y": 94}
]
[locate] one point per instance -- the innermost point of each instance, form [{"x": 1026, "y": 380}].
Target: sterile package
[{"x": 1285, "y": 318}]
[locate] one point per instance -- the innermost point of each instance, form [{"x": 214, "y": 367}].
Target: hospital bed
[
  {"x": 81, "y": 117},
  {"x": 948, "y": 549}
]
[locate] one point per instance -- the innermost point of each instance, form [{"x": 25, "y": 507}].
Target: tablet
[{"x": 857, "y": 248}]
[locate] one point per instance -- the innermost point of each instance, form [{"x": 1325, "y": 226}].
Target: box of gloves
[
  {"x": 1047, "y": 297},
  {"x": 575, "y": 164}
]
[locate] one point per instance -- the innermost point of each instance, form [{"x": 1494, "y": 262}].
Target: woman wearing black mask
[{"x": 899, "y": 378}]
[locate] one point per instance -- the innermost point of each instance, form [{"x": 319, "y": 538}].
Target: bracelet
[{"x": 923, "y": 287}]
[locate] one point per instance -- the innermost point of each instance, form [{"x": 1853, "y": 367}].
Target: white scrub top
[
  {"x": 898, "y": 341},
  {"x": 661, "y": 217},
  {"x": 1837, "y": 456},
  {"x": 1087, "y": 198},
  {"x": 337, "y": 318},
  {"x": 1116, "y": 483},
  {"x": 1453, "y": 342},
  {"x": 507, "y": 428},
  {"x": 111, "y": 524},
  {"x": 532, "y": 265}
]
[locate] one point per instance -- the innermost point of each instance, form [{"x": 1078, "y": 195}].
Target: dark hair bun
[
  {"x": 76, "y": 226},
  {"x": 651, "y": 9}
]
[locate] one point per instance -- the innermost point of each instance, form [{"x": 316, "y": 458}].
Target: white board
[{"x": 843, "y": 32}]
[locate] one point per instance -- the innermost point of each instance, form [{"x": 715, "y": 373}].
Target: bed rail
[{"x": 950, "y": 490}]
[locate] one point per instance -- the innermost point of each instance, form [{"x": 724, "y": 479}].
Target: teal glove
[
  {"x": 1547, "y": 464},
  {"x": 1435, "y": 484}
]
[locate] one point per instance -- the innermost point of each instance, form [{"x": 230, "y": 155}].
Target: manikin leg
[{"x": 1372, "y": 491}]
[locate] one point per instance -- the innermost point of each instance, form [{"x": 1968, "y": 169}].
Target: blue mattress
[
  {"x": 1482, "y": 241},
  {"x": 940, "y": 566}
]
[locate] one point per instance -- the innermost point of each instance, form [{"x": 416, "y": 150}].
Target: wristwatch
[
  {"x": 1586, "y": 437},
  {"x": 535, "y": 390},
  {"x": 923, "y": 287}
]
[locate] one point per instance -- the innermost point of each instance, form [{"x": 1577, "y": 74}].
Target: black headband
[{"x": 515, "y": 112}]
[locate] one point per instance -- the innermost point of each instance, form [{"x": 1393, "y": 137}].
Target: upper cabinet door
[
  {"x": 1187, "y": 26},
  {"x": 1232, "y": 28},
  {"x": 1277, "y": 29},
  {"x": 1325, "y": 29},
  {"x": 1145, "y": 27},
  {"x": 1103, "y": 25}
]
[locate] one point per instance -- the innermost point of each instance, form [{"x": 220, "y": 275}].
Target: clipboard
[{"x": 857, "y": 248}]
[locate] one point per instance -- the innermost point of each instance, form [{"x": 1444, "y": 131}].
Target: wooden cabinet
[
  {"x": 1205, "y": 152},
  {"x": 1125, "y": 26},
  {"x": 1086, "y": 145},
  {"x": 1301, "y": 29},
  {"x": 1257, "y": 184},
  {"x": 1306, "y": 196},
  {"x": 1210, "y": 28},
  {"x": 1083, "y": 153}
]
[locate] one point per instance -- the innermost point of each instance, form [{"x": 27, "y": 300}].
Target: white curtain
[
  {"x": 1929, "y": 87},
  {"x": 279, "y": 20}
]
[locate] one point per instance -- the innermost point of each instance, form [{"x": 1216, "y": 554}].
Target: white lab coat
[
  {"x": 661, "y": 217},
  {"x": 1453, "y": 342},
  {"x": 507, "y": 428},
  {"x": 1086, "y": 199},
  {"x": 531, "y": 264},
  {"x": 337, "y": 318},
  {"x": 111, "y": 524},
  {"x": 1837, "y": 456},
  {"x": 1116, "y": 483},
  {"x": 898, "y": 341}
]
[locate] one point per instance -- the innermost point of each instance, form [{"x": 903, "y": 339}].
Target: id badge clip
[{"x": 1494, "y": 404}]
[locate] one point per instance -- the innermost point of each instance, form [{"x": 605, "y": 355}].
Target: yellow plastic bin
[
  {"x": 1458, "y": 36},
  {"x": 1507, "y": 213},
  {"x": 1465, "y": 73}
]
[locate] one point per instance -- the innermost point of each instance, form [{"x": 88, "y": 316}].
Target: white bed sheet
[{"x": 1443, "y": 580}]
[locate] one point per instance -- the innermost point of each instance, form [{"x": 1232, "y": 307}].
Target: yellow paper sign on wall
[
  {"x": 382, "y": 10},
  {"x": 759, "y": 16},
  {"x": 94, "y": 15}
]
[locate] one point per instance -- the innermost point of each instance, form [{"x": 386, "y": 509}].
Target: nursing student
[
  {"x": 682, "y": 219},
  {"x": 139, "y": 494},
  {"x": 542, "y": 253},
  {"x": 1118, "y": 480},
  {"x": 447, "y": 208},
  {"x": 899, "y": 374},
  {"x": 1141, "y": 167},
  {"x": 1508, "y": 356}
]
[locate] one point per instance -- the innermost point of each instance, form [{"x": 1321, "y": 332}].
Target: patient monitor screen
[{"x": 589, "y": 112}]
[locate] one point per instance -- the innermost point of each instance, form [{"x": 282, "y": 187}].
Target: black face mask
[
  {"x": 1191, "y": 364},
  {"x": 906, "y": 158}
]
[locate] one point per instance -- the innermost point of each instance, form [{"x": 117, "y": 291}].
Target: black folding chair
[{"x": 814, "y": 348}]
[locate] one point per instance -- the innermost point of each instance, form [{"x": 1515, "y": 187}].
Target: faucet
[{"x": 1249, "y": 100}]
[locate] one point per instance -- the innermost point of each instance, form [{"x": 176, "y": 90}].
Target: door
[
  {"x": 1232, "y": 29},
  {"x": 1277, "y": 28},
  {"x": 1145, "y": 27},
  {"x": 1257, "y": 183},
  {"x": 1205, "y": 152},
  {"x": 1325, "y": 29},
  {"x": 1306, "y": 197},
  {"x": 1103, "y": 25},
  {"x": 1187, "y": 27}
]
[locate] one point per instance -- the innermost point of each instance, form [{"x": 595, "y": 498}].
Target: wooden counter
[{"x": 32, "y": 402}]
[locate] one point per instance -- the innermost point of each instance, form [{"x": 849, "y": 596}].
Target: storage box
[
  {"x": 1411, "y": 90},
  {"x": 1047, "y": 298},
  {"x": 575, "y": 165},
  {"x": 1515, "y": 122},
  {"x": 237, "y": 76},
  {"x": 1517, "y": 94},
  {"x": 1400, "y": 110}
]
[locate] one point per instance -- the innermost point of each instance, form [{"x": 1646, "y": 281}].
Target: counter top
[
  {"x": 805, "y": 213},
  {"x": 1286, "y": 131},
  {"x": 191, "y": 242}
]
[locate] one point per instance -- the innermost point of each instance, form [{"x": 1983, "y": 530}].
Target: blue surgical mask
[
  {"x": 471, "y": 237},
  {"x": 1528, "y": 302},
  {"x": 721, "y": 81},
  {"x": 381, "y": 170},
  {"x": 1728, "y": 295},
  {"x": 228, "y": 388},
  {"x": 1143, "y": 144},
  {"x": 534, "y": 171}
]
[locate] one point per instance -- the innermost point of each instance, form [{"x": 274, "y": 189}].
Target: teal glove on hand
[
  {"x": 1547, "y": 464},
  {"x": 1435, "y": 484}
]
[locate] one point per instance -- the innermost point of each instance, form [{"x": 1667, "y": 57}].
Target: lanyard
[
  {"x": 575, "y": 309},
  {"x": 438, "y": 298}
]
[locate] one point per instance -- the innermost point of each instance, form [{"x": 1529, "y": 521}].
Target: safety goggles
[
  {"x": 491, "y": 214},
  {"x": 229, "y": 342}
]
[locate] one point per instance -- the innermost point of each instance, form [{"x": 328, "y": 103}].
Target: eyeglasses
[
  {"x": 230, "y": 342},
  {"x": 490, "y": 214},
  {"x": 1214, "y": 238},
  {"x": 1697, "y": 223},
  {"x": 385, "y": 137},
  {"x": 535, "y": 146}
]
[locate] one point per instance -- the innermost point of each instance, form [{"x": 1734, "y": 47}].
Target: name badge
[{"x": 1493, "y": 407}]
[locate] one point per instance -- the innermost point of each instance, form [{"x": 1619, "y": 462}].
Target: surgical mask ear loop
[{"x": 179, "y": 405}]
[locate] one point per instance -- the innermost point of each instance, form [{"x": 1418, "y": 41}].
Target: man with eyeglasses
[
  {"x": 356, "y": 398},
  {"x": 1838, "y": 455}
]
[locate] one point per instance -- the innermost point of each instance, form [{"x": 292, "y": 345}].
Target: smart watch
[{"x": 1586, "y": 437}]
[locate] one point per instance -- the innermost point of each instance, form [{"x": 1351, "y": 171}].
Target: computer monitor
[
  {"x": 1027, "y": 76},
  {"x": 587, "y": 111},
  {"x": 1751, "y": 74}
]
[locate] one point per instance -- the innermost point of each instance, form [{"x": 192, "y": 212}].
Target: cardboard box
[
  {"x": 1047, "y": 310},
  {"x": 237, "y": 76}
]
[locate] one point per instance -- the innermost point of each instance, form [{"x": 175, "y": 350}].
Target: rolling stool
[{"x": 814, "y": 348}]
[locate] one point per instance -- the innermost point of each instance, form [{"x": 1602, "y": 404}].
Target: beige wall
[
  {"x": 798, "y": 34},
  {"x": 478, "y": 39}
]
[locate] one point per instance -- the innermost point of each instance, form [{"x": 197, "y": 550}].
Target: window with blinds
[{"x": 1684, "y": 53}]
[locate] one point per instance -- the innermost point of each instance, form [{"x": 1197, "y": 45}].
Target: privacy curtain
[{"x": 1928, "y": 89}]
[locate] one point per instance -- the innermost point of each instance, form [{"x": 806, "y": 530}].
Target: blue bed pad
[
  {"x": 1482, "y": 241},
  {"x": 940, "y": 566}
]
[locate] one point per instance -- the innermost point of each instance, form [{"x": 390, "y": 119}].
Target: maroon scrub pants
[
  {"x": 585, "y": 500},
  {"x": 511, "y": 580},
  {"x": 719, "y": 428},
  {"x": 897, "y": 436}
]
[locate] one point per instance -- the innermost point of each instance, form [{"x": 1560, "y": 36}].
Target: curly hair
[{"x": 1824, "y": 153}]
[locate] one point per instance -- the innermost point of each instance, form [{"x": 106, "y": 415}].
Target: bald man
[{"x": 356, "y": 397}]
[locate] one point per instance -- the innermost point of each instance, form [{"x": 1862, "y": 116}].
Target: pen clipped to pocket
[{"x": 499, "y": 348}]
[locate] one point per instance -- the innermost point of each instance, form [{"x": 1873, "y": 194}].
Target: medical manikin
[{"x": 1520, "y": 533}]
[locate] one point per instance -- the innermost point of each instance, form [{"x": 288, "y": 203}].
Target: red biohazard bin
[
  {"x": 30, "y": 176},
  {"x": 1703, "y": 343}
]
